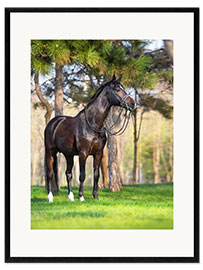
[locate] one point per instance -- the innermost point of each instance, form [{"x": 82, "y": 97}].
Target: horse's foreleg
[
  {"x": 97, "y": 162},
  {"x": 69, "y": 177},
  {"x": 82, "y": 162}
]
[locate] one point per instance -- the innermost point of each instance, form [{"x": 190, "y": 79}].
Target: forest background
[{"x": 66, "y": 73}]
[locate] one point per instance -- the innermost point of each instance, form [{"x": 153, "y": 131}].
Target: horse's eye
[{"x": 117, "y": 89}]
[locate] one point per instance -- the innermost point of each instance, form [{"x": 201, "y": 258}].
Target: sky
[{"x": 155, "y": 45}]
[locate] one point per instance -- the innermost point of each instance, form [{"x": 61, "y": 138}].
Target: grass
[{"x": 147, "y": 206}]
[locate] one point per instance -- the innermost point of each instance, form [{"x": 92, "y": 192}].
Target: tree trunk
[
  {"x": 141, "y": 173},
  {"x": 113, "y": 166},
  {"x": 76, "y": 169},
  {"x": 48, "y": 116},
  {"x": 104, "y": 167},
  {"x": 120, "y": 169},
  {"x": 59, "y": 90},
  {"x": 171, "y": 160},
  {"x": 59, "y": 105},
  {"x": 165, "y": 165},
  {"x": 156, "y": 161},
  {"x": 33, "y": 167},
  {"x": 49, "y": 107},
  {"x": 114, "y": 177},
  {"x": 168, "y": 46},
  {"x": 134, "y": 180}
]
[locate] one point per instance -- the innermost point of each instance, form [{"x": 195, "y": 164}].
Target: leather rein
[{"x": 125, "y": 106}]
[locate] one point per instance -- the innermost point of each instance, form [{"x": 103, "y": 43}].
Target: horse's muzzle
[{"x": 131, "y": 106}]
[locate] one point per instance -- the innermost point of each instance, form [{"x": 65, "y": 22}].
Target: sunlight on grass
[{"x": 138, "y": 207}]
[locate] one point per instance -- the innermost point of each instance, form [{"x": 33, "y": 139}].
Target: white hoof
[
  {"x": 82, "y": 199},
  {"x": 71, "y": 196},
  {"x": 50, "y": 197}
]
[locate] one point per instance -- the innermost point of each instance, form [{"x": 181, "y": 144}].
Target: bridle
[
  {"x": 122, "y": 100},
  {"x": 124, "y": 106}
]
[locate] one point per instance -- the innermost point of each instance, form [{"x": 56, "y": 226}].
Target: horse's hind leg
[
  {"x": 55, "y": 168},
  {"x": 69, "y": 161}
]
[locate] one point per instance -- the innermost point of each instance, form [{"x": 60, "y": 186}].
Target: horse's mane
[{"x": 99, "y": 90}]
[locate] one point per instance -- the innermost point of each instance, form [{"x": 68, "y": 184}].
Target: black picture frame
[{"x": 8, "y": 258}]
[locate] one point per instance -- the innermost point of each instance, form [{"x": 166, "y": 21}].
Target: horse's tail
[
  {"x": 47, "y": 182},
  {"x": 51, "y": 177},
  {"x": 50, "y": 158}
]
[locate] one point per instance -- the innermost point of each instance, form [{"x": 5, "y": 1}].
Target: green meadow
[{"x": 147, "y": 206}]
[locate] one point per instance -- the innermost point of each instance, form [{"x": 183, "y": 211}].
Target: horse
[{"x": 82, "y": 135}]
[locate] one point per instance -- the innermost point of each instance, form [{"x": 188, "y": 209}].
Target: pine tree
[{"x": 59, "y": 54}]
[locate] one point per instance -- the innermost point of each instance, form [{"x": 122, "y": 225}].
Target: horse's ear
[
  {"x": 119, "y": 79},
  {"x": 113, "y": 78}
]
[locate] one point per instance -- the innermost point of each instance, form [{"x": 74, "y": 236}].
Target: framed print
[{"x": 75, "y": 79}]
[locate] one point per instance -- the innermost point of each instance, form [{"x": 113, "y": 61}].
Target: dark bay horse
[{"x": 82, "y": 135}]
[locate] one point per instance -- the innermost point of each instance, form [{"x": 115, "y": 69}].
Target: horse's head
[{"x": 118, "y": 95}]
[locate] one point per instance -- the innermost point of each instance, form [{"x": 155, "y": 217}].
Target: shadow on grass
[
  {"x": 87, "y": 214},
  {"x": 149, "y": 185},
  {"x": 37, "y": 200}
]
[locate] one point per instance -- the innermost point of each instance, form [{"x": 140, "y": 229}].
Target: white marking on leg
[
  {"x": 71, "y": 196},
  {"x": 82, "y": 198},
  {"x": 50, "y": 197}
]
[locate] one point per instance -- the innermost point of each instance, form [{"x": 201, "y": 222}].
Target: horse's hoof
[
  {"x": 82, "y": 199},
  {"x": 71, "y": 196},
  {"x": 96, "y": 196},
  {"x": 50, "y": 197}
]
